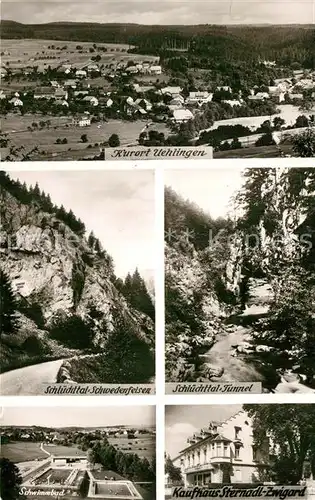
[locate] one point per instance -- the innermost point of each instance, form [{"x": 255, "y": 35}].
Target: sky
[
  {"x": 162, "y": 12},
  {"x": 78, "y": 416},
  {"x": 210, "y": 189},
  {"x": 117, "y": 206},
  {"x": 182, "y": 421}
]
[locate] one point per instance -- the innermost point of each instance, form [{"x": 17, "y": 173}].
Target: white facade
[
  {"x": 182, "y": 115},
  {"x": 223, "y": 453}
]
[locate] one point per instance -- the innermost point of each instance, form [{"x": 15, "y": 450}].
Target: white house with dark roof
[{"x": 223, "y": 452}]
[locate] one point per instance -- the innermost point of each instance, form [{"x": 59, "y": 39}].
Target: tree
[
  {"x": 8, "y": 306},
  {"x": 291, "y": 433},
  {"x": 11, "y": 480},
  {"x": 174, "y": 473},
  {"x": 114, "y": 141},
  {"x": 304, "y": 144},
  {"x": 128, "y": 356},
  {"x": 84, "y": 138}
]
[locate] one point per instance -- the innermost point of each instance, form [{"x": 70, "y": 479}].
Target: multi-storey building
[{"x": 224, "y": 452}]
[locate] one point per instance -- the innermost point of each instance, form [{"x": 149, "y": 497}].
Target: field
[
  {"x": 22, "y": 451},
  {"x": 143, "y": 446},
  {"x": 53, "y": 476},
  {"x": 59, "y": 450},
  {"x": 16, "y": 127},
  {"x": 30, "y": 53}
]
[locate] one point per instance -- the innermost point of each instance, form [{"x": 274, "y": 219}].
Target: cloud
[{"x": 162, "y": 12}]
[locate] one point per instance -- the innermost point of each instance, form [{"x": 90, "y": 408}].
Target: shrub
[{"x": 72, "y": 331}]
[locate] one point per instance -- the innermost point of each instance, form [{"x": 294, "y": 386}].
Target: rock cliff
[{"x": 54, "y": 270}]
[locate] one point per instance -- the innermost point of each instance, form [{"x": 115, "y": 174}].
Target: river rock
[
  {"x": 208, "y": 371},
  {"x": 263, "y": 348}
]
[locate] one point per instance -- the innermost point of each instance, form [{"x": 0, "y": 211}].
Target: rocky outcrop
[{"x": 53, "y": 267}]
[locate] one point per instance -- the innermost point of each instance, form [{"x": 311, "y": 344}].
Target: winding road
[{"x": 30, "y": 379}]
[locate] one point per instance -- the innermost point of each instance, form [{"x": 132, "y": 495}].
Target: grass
[
  {"x": 60, "y": 450},
  {"x": 144, "y": 447},
  {"x": 22, "y": 451},
  {"x": 30, "y": 53},
  {"x": 255, "y": 152},
  {"x": 16, "y": 128}
]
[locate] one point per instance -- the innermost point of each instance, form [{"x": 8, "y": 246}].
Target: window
[
  {"x": 254, "y": 453},
  {"x": 225, "y": 450},
  {"x": 237, "y": 432},
  {"x": 219, "y": 449},
  {"x": 237, "y": 452}
]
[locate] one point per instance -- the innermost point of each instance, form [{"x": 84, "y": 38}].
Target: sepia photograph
[
  {"x": 77, "y": 78},
  {"x": 76, "y": 279},
  {"x": 63, "y": 452},
  {"x": 239, "y": 277},
  {"x": 245, "y": 447}
]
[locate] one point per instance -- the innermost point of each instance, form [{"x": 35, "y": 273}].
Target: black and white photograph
[
  {"x": 241, "y": 446},
  {"x": 71, "y": 452},
  {"x": 239, "y": 277},
  {"x": 79, "y": 77},
  {"x": 77, "y": 278}
]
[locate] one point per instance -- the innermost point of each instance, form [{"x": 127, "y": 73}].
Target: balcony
[
  {"x": 198, "y": 468},
  {"x": 209, "y": 465}
]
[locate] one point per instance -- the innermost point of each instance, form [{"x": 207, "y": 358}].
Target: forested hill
[
  {"x": 261, "y": 41},
  {"x": 60, "y": 293}
]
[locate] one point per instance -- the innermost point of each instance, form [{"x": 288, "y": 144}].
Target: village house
[
  {"x": 70, "y": 83},
  {"x": 141, "y": 89},
  {"x": 182, "y": 115},
  {"x": 224, "y": 452},
  {"x": 225, "y": 88},
  {"x": 132, "y": 70},
  {"x": 93, "y": 101},
  {"x": 61, "y": 94},
  {"x": 296, "y": 97},
  {"x": 199, "y": 98},
  {"x": 173, "y": 91},
  {"x": 144, "y": 103},
  {"x": 82, "y": 121},
  {"x": 44, "y": 93},
  {"x": 92, "y": 68},
  {"x": 81, "y": 73},
  {"x": 64, "y": 68},
  {"x": 81, "y": 92},
  {"x": 155, "y": 70},
  {"x": 2, "y": 95},
  {"x": 16, "y": 101},
  {"x": 54, "y": 83},
  {"x": 232, "y": 102},
  {"x": 305, "y": 84}
]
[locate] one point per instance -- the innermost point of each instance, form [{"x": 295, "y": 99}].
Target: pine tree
[{"x": 8, "y": 307}]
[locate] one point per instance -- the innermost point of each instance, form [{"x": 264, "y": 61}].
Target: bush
[
  {"x": 72, "y": 331},
  {"x": 33, "y": 345}
]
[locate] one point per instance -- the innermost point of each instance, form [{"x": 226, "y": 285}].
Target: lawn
[
  {"x": 69, "y": 451},
  {"x": 16, "y": 128},
  {"x": 30, "y": 53},
  {"x": 22, "y": 451},
  {"x": 142, "y": 446}
]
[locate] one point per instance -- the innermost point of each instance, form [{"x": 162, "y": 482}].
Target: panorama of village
[
  {"x": 246, "y": 91},
  {"x": 114, "y": 461}
]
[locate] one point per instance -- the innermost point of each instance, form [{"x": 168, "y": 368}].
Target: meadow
[
  {"x": 22, "y": 53},
  {"x": 21, "y": 451},
  {"x": 144, "y": 446}
]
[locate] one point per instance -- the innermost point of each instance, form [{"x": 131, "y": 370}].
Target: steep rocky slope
[
  {"x": 57, "y": 275},
  {"x": 241, "y": 306}
]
